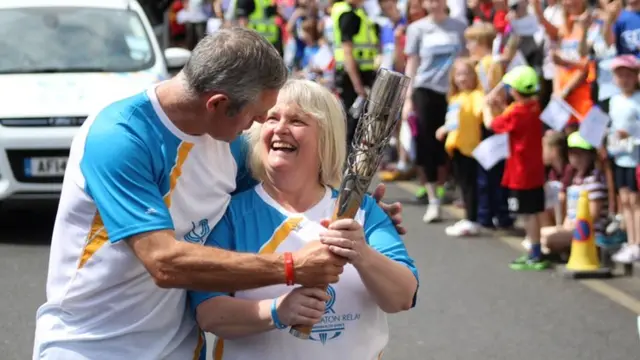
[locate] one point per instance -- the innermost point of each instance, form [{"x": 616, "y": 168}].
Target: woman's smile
[{"x": 283, "y": 146}]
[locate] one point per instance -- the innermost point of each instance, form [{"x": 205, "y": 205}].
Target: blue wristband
[{"x": 274, "y": 315}]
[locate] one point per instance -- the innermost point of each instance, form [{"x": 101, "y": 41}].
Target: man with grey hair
[{"x": 147, "y": 179}]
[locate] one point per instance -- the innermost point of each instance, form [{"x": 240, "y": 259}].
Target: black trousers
[
  {"x": 348, "y": 96},
  {"x": 465, "y": 171},
  {"x": 431, "y": 110}
]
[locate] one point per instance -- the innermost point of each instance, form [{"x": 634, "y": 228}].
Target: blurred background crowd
[{"x": 576, "y": 55}]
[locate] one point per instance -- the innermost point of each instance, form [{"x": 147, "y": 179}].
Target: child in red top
[{"x": 524, "y": 173}]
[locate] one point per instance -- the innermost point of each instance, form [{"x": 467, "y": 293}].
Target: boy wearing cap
[
  {"x": 493, "y": 211},
  {"x": 524, "y": 169}
]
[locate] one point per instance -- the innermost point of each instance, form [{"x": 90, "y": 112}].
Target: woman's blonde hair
[
  {"x": 324, "y": 107},
  {"x": 471, "y": 65}
]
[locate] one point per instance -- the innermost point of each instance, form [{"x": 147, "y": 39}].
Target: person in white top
[
  {"x": 147, "y": 179},
  {"x": 298, "y": 154}
]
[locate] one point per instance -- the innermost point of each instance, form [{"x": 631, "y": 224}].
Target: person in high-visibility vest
[
  {"x": 356, "y": 49},
  {"x": 260, "y": 15}
]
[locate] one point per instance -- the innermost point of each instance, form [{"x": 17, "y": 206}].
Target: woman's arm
[
  {"x": 612, "y": 11},
  {"x": 379, "y": 256},
  {"x": 578, "y": 78},
  {"x": 412, "y": 51},
  {"x": 551, "y": 30},
  {"x": 231, "y": 318},
  {"x": 391, "y": 283}
]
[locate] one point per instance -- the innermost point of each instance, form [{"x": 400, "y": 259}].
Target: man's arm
[
  {"x": 349, "y": 24},
  {"x": 178, "y": 264},
  {"x": 122, "y": 176}
]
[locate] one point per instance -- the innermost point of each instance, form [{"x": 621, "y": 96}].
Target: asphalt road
[{"x": 470, "y": 306}]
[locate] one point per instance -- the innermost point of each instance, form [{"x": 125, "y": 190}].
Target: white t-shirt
[
  {"x": 130, "y": 171},
  {"x": 353, "y": 326}
]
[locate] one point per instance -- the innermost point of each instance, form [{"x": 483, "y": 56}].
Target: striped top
[{"x": 596, "y": 184}]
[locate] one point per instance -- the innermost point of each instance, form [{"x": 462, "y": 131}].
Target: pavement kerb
[{"x": 599, "y": 286}]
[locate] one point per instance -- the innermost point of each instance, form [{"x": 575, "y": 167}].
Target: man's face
[
  {"x": 226, "y": 127},
  {"x": 389, "y": 8}
]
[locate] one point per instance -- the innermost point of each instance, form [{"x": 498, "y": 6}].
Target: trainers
[
  {"x": 421, "y": 194},
  {"x": 432, "y": 214},
  {"x": 614, "y": 225},
  {"x": 627, "y": 254},
  {"x": 527, "y": 263},
  {"x": 462, "y": 228}
]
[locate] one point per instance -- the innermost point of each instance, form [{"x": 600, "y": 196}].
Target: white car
[{"x": 60, "y": 60}]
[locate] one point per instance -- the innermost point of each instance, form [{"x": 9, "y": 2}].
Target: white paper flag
[
  {"x": 551, "y": 192},
  {"x": 594, "y": 126},
  {"x": 491, "y": 150},
  {"x": 452, "y": 119},
  {"x": 322, "y": 59},
  {"x": 557, "y": 114},
  {"x": 526, "y": 26}
]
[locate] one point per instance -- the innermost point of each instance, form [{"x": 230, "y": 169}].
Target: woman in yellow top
[{"x": 463, "y": 130}]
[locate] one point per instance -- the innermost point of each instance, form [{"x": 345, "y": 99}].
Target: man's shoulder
[
  {"x": 128, "y": 115},
  {"x": 628, "y": 18}
]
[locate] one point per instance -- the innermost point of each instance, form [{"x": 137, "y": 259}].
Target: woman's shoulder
[
  {"x": 245, "y": 201},
  {"x": 421, "y": 24}
]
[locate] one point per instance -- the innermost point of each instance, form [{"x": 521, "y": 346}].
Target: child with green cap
[
  {"x": 582, "y": 157},
  {"x": 524, "y": 173}
]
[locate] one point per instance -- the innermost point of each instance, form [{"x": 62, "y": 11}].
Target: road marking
[{"x": 599, "y": 286}]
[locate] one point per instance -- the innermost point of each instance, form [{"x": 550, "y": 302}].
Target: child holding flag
[
  {"x": 524, "y": 173},
  {"x": 462, "y": 131},
  {"x": 492, "y": 197}
]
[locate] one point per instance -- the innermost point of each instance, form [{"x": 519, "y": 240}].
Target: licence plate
[{"x": 45, "y": 166}]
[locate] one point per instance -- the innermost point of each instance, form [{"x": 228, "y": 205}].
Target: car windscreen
[{"x": 72, "y": 39}]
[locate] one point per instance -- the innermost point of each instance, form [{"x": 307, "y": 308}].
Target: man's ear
[{"x": 217, "y": 102}]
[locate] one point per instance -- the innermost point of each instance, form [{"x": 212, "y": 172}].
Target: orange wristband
[{"x": 288, "y": 269}]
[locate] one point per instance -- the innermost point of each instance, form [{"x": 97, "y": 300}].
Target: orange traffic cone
[{"x": 583, "y": 262}]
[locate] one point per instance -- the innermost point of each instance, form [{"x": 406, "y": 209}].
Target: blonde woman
[{"x": 298, "y": 154}]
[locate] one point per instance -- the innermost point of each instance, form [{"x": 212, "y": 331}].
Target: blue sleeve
[
  {"x": 240, "y": 152},
  {"x": 222, "y": 236},
  {"x": 382, "y": 235},
  {"x": 117, "y": 168}
]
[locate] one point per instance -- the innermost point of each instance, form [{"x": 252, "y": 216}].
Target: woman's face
[
  {"x": 580, "y": 159},
  {"x": 463, "y": 77},
  {"x": 574, "y": 7},
  {"x": 434, "y": 6},
  {"x": 626, "y": 79},
  {"x": 289, "y": 138},
  {"x": 415, "y": 10}
]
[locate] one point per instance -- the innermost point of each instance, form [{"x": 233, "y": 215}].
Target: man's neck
[
  {"x": 438, "y": 17},
  {"x": 178, "y": 106},
  {"x": 396, "y": 18}
]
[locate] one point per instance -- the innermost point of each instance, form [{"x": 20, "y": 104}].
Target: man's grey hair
[{"x": 238, "y": 62}]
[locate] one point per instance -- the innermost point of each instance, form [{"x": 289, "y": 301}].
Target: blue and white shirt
[
  {"x": 353, "y": 326},
  {"x": 130, "y": 170}
]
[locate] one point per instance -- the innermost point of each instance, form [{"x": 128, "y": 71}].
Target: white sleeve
[{"x": 458, "y": 10}]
